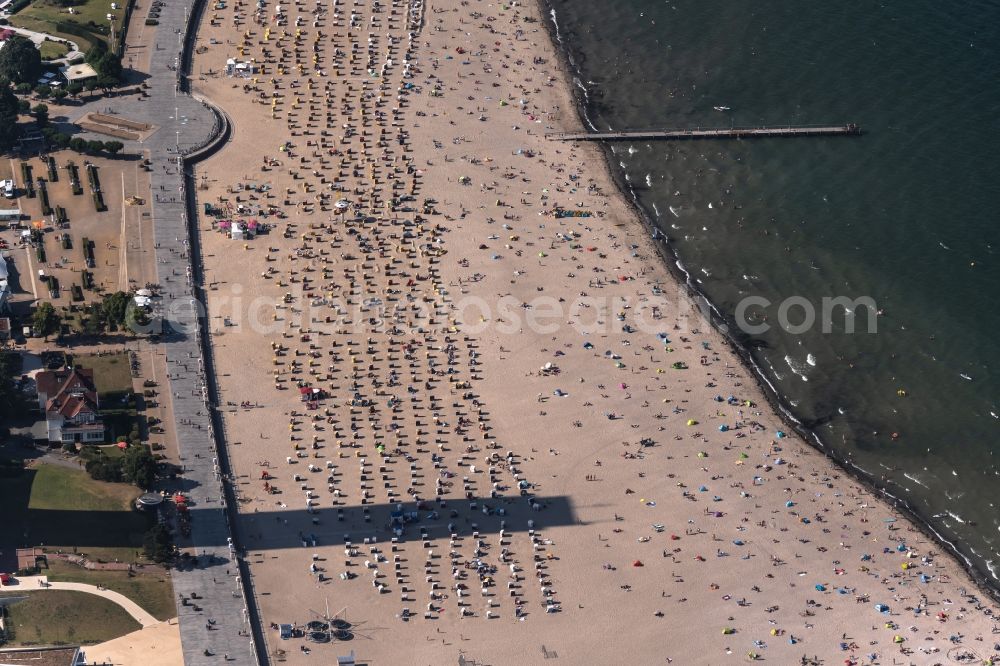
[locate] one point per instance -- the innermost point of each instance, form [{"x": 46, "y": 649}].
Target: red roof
[{"x": 68, "y": 392}]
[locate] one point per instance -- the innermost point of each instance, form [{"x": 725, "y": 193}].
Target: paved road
[{"x": 135, "y": 610}]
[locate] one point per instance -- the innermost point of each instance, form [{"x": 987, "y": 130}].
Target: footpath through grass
[
  {"x": 64, "y": 510},
  {"x": 151, "y": 589},
  {"x": 87, "y": 25},
  {"x": 64, "y": 617}
]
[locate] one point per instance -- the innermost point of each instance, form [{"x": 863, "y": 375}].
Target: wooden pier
[{"x": 850, "y": 129}]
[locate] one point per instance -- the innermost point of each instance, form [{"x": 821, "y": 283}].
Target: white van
[{"x": 8, "y": 188}]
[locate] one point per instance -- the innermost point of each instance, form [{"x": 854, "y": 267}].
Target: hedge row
[
  {"x": 88, "y": 253},
  {"x": 44, "y": 195},
  {"x": 95, "y": 181},
  {"x": 29, "y": 182},
  {"x": 74, "y": 178}
]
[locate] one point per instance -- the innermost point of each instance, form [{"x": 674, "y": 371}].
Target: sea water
[{"x": 905, "y": 215}]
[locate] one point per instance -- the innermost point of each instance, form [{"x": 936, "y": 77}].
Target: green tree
[
  {"x": 110, "y": 65},
  {"x": 136, "y": 319},
  {"x": 94, "y": 146},
  {"x": 95, "y": 53},
  {"x": 45, "y": 320},
  {"x": 11, "y": 400},
  {"x": 105, "y": 469},
  {"x": 106, "y": 63},
  {"x": 158, "y": 544},
  {"x": 139, "y": 467},
  {"x": 61, "y": 139},
  {"x": 59, "y": 94},
  {"x": 41, "y": 112},
  {"x": 10, "y": 131},
  {"x": 43, "y": 91},
  {"x": 106, "y": 82},
  {"x": 74, "y": 88},
  {"x": 20, "y": 61},
  {"x": 114, "y": 308},
  {"x": 114, "y": 147}
]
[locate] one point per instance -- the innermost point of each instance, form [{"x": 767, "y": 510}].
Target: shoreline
[
  {"x": 724, "y": 325},
  {"x": 440, "y": 391}
]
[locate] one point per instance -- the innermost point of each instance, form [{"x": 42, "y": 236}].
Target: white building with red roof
[{"x": 69, "y": 400}]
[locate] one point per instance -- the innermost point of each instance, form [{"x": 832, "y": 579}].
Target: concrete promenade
[{"x": 217, "y": 623}]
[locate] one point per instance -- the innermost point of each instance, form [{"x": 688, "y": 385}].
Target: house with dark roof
[{"x": 72, "y": 411}]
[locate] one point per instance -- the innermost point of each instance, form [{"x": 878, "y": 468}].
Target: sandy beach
[{"x": 435, "y": 325}]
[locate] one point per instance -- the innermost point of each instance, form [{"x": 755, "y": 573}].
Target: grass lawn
[
  {"x": 62, "y": 617},
  {"x": 151, "y": 589},
  {"x": 88, "y": 24},
  {"x": 61, "y": 488},
  {"x": 111, "y": 373},
  {"x": 64, "y": 509},
  {"x": 52, "y": 50}
]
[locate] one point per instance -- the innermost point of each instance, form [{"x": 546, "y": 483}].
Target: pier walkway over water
[{"x": 849, "y": 129}]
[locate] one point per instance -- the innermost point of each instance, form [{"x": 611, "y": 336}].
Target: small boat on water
[{"x": 721, "y": 108}]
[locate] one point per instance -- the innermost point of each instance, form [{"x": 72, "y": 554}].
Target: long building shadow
[
  {"x": 294, "y": 528},
  {"x": 23, "y": 527},
  {"x": 408, "y": 521}
]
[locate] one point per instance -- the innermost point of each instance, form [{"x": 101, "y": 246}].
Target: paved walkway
[
  {"x": 29, "y": 583},
  {"x": 183, "y": 125},
  {"x": 159, "y": 645},
  {"x": 39, "y": 37}
]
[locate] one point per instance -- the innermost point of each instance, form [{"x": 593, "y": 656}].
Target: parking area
[{"x": 84, "y": 222}]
